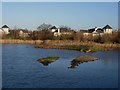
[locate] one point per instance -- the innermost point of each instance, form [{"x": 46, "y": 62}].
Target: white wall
[
  {"x": 53, "y": 30},
  {"x": 6, "y": 30},
  {"x": 107, "y": 30}
]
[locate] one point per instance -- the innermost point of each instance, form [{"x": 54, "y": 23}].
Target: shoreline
[
  {"x": 17, "y": 41},
  {"x": 76, "y": 45},
  {"x": 65, "y": 44}
]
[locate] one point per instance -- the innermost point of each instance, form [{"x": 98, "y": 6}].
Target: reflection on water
[
  {"x": 81, "y": 59},
  {"x": 21, "y": 70},
  {"x": 74, "y": 64},
  {"x": 45, "y": 63}
]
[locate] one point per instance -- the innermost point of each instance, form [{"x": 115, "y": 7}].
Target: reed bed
[
  {"x": 76, "y": 45},
  {"x": 63, "y": 44},
  {"x": 72, "y": 42}
]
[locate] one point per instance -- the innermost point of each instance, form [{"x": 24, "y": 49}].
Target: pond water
[{"x": 22, "y": 70}]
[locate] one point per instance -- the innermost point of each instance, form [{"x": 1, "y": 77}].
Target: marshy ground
[{"x": 76, "y": 45}]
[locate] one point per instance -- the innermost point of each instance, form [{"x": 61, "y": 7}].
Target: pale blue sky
[{"x": 75, "y": 15}]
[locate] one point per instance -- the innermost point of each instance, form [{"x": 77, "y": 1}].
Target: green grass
[
  {"x": 48, "y": 59},
  {"x": 77, "y": 47},
  {"x": 84, "y": 48},
  {"x": 95, "y": 48}
]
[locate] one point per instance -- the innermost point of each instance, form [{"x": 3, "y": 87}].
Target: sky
[{"x": 77, "y": 15}]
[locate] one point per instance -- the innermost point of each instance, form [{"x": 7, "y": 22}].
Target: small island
[
  {"x": 81, "y": 59},
  {"x": 46, "y": 61}
]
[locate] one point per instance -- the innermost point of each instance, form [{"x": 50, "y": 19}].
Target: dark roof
[
  {"x": 65, "y": 30},
  {"x": 99, "y": 30},
  {"x": 107, "y": 27},
  {"x": 5, "y": 26},
  {"x": 91, "y": 30},
  {"x": 53, "y": 27}
]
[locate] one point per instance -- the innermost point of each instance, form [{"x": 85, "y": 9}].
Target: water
[{"x": 21, "y": 69}]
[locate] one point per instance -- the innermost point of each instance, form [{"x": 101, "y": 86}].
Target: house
[
  {"x": 55, "y": 31},
  {"x": 5, "y": 29},
  {"x": 23, "y": 33},
  {"x": 97, "y": 31},
  {"x": 94, "y": 31},
  {"x": 60, "y": 31},
  {"x": 19, "y": 32},
  {"x": 65, "y": 31},
  {"x": 107, "y": 29}
]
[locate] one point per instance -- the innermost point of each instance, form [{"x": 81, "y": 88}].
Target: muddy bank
[{"x": 81, "y": 59}]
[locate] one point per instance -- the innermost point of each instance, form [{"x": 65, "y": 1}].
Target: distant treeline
[{"x": 43, "y": 33}]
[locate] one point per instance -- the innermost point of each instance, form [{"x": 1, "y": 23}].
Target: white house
[
  {"x": 57, "y": 32},
  {"x": 94, "y": 31},
  {"x": 60, "y": 31},
  {"x": 53, "y": 29},
  {"x": 107, "y": 29},
  {"x": 23, "y": 33},
  {"x": 5, "y": 29},
  {"x": 97, "y": 31}
]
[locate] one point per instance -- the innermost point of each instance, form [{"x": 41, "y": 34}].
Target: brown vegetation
[
  {"x": 81, "y": 59},
  {"x": 17, "y": 41},
  {"x": 77, "y": 45},
  {"x": 46, "y": 61}
]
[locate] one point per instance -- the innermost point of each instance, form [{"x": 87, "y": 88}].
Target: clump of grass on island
[
  {"x": 46, "y": 61},
  {"x": 81, "y": 59}
]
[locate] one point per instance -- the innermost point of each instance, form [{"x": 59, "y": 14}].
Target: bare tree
[
  {"x": 65, "y": 27},
  {"x": 44, "y": 26}
]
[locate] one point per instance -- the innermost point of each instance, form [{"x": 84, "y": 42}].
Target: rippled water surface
[{"x": 21, "y": 69}]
